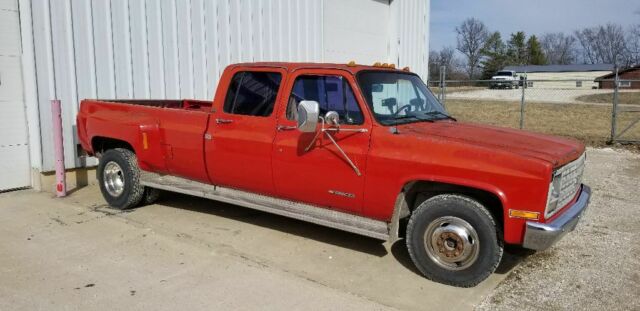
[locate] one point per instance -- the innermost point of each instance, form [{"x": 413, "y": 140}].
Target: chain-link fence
[{"x": 594, "y": 111}]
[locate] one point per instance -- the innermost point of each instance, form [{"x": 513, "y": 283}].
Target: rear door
[{"x": 240, "y": 136}]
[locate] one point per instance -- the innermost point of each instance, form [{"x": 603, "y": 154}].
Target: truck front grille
[{"x": 570, "y": 179}]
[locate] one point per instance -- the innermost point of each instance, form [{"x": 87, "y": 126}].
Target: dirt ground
[
  {"x": 541, "y": 95},
  {"x": 189, "y": 253}
]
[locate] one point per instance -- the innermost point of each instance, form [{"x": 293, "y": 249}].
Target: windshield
[
  {"x": 504, "y": 73},
  {"x": 397, "y": 98}
]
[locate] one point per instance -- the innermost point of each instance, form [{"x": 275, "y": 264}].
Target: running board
[{"x": 305, "y": 212}]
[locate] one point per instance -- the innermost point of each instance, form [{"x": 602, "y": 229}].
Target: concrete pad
[{"x": 192, "y": 253}]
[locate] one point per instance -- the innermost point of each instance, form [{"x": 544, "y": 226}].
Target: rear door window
[{"x": 252, "y": 93}]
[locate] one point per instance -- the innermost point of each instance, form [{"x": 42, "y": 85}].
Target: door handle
[
  {"x": 286, "y": 128},
  {"x": 223, "y": 121}
]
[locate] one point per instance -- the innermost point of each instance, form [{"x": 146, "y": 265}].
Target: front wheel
[{"x": 453, "y": 239}]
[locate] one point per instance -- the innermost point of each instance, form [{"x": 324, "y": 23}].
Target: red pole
[{"x": 61, "y": 182}]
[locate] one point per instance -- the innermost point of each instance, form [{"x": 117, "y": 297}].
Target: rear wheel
[
  {"x": 119, "y": 178},
  {"x": 453, "y": 239}
]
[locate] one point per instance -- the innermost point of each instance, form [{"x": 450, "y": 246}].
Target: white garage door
[{"x": 14, "y": 150}]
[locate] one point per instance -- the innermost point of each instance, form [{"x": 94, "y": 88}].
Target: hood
[{"x": 555, "y": 150}]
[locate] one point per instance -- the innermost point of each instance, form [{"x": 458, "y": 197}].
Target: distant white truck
[{"x": 505, "y": 79}]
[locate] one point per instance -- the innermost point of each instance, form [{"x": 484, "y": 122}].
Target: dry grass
[
  {"x": 628, "y": 98},
  {"x": 588, "y": 123}
]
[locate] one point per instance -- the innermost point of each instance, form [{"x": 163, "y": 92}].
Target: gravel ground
[
  {"x": 566, "y": 96},
  {"x": 596, "y": 267}
]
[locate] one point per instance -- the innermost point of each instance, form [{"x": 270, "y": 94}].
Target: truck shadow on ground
[
  {"x": 511, "y": 258},
  {"x": 275, "y": 222}
]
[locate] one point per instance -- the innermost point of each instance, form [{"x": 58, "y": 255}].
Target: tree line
[{"x": 485, "y": 52}]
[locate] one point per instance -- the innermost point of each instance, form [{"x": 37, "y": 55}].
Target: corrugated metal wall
[
  {"x": 157, "y": 49},
  {"x": 411, "y": 26},
  {"x": 178, "y": 48}
]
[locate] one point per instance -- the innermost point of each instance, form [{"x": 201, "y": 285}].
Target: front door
[
  {"x": 310, "y": 168},
  {"x": 239, "y": 141}
]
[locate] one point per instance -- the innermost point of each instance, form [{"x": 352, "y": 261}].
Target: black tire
[
  {"x": 132, "y": 191},
  {"x": 150, "y": 196},
  {"x": 448, "y": 207}
]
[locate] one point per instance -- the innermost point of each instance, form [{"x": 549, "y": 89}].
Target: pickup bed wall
[{"x": 166, "y": 140}]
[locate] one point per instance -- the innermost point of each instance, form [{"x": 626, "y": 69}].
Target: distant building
[
  {"x": 580, "y": 76},
  {"x": 628, "y": 79}
]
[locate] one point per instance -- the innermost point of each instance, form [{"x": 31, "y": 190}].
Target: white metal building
[{"x": 75, "y": 49}]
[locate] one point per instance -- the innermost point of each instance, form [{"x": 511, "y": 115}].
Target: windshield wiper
[
  {"x": 407, "y": 119},
  {"x": 436, "y": 112}
]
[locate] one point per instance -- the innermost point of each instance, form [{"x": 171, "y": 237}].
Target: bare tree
[
  {"x": 447, "y": 55},
  {"x": 633, "y": 44},
  {"x": 587, "y": 38},
  {"x": 559, "y": 48},
  {"x": 603, "y": 44},
  {"x": 472, "y": 34},
  {"x": 437, "y": 59}
]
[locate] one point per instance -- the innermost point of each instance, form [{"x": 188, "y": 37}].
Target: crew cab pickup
[{"x": 365, "y": 149}]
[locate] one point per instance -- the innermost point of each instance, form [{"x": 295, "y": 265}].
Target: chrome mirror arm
[
  {"x": 326, "y": 131},
  {"x": 346, "y": 157}
]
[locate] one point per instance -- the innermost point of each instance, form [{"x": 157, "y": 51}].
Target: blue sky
[{"x": 533, "y": 16}]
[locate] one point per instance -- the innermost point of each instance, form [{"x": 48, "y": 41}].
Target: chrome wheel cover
[
  {"x": 113, "y": 179},
  {"x": 452, "y": 243}
]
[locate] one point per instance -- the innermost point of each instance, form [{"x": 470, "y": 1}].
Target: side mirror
[
  {"x": 308, "y": 112},
  {"x": 332, "y": 118}
]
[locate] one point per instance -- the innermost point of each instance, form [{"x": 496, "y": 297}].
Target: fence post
[
  {"x": 524, "y": 85},
  {"x": 61, "y": 182},
  {"x": 442, "y": 77},
  {"x": 614, "y": 110}
]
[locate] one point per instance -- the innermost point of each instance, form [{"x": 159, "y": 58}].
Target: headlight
[{"x": 554, "y": 193}]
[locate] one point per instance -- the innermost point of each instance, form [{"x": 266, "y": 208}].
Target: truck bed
[
  {"x": 166, "y": 135},
  {"x": 186, "y": 104}
]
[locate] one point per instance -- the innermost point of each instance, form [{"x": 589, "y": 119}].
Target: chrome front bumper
[{"x": 539, "y": 236}]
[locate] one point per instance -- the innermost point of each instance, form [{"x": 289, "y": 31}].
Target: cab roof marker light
[{"x": 351, "y": 63}]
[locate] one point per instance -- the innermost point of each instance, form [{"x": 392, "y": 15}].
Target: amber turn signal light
[{"x": 524, "y": 214}]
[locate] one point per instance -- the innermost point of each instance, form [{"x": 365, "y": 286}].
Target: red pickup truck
[{"x": 365, "y": 149}]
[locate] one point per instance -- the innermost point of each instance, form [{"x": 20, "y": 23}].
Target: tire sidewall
[
  {"x": 490, "y": 247},
  {"x": 123, "y": 200}
]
